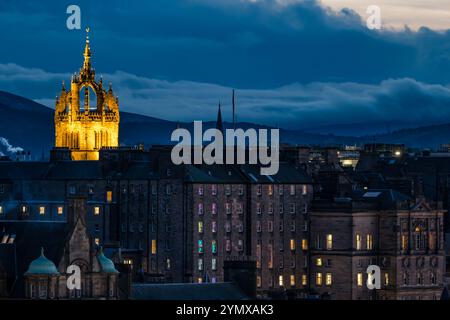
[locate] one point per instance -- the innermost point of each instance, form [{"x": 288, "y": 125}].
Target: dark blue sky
[{"x": 295, "y": 65}]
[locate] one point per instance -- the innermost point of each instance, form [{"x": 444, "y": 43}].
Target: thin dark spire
[
  {"x": 219, "y": 124},
  {"x": 234, "y": 119}
]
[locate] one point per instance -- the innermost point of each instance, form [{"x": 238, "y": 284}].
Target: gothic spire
[
  {"x": 87, "y": 52},
  {"x": 219, "y": 124}
]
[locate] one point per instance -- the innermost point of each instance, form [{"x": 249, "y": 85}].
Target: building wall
[{"x": 345, "y": 260}]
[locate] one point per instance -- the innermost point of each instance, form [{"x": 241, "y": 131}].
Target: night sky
[{"x": 297, "y": 64}]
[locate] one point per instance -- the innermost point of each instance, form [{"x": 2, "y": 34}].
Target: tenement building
[
  {"x": 378, "y": 227},
  {"x": 238, "y": 214}
]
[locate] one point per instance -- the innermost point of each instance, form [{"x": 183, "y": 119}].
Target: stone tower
[{"x": 87, "y": 116}]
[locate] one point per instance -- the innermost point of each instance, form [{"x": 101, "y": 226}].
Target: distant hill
[{"x": 29, "y": 125}]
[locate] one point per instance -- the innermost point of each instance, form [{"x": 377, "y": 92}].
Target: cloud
[
  {"x": 292, "y": 106},
  {"x": 261, "y": 44}
]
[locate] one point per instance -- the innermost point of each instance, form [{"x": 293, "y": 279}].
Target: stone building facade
[{"x": 406, "y": 242}]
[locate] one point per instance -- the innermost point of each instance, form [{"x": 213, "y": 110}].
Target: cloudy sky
[{"x": 294, "y": 63}]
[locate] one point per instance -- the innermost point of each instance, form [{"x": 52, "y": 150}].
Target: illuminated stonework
[{"x": 86, "y": 129}]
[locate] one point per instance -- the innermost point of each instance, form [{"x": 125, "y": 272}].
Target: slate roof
[
  {"x": 10, "y": 170},
  {"x": 71, "y": 170},
  {"x": 286, "y": 174},
  {"x": 187, "y": 291},
  {"x": 214, "y": 174}
]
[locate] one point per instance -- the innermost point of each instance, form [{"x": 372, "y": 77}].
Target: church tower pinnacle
[{"x": 86, "y": 126}]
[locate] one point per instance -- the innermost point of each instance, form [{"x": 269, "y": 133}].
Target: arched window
[{"x": 88, "y": 99}]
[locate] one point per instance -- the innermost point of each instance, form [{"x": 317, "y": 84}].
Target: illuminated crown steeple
[{"x": 85, "y": 131}]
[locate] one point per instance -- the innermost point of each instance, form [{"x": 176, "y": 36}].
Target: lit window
[
  {"x": 168, "y": 264},
  {"x": 200, "y": 264},
  {"x": 213, "y": 264},
  {"x": 41, "y": 210},
  {"x": 228, "y": 208},
  {"x": 270, "y": 190},
  {"x": 329, "y": 241},
  {"x": 280, "y": 281},
  {"x": 128, "y": 261},
  {"x": 60, "y": 210},
  {"x": 419, "y": 278},
  {"x": 358, "y": 242},
  {"x": 200, "y": 246},
  {"x": 214, "y": 226},
  {"x": 214, "y": 208},
  {"x": 97, "y": 241},
  {"x": 11, "y": 239},
  {"x": 318, "y": 279},
  {"x": 199, "y": 280},
  {"x": 228, "y": 245},
  {"x": 153, "y": 246},
  {"x": 108, "y": 196},
  {"x": 304, "y": 189},
  {"x": 258, "y": 226},
  {"x": 200, "y": 227},
  {"x": 319, "y": 262},
  {"x": 359, "y": 279},
  {"x": 258, "y": 208},
  {"x": 258, "y": 256},
  {"x": 214, "y": 246},
  {"x": 1, "y": 209},
  {"x": 328, "y": 279},
  {"x": 292, "y": 190},
  {"x": 270, "y": 249},
  {"x": 304, "y": 280},
  {"x": 24, "y": 209},
  {"x": 369, "y": 242},
  {"x": 200, "y": 190},
  {"x": 240, "y": 245},
  {"x": 214, "y": 189},
  {"x": 404, "y": 242},
  {"x": 292, "y": 280},
  {"x": 292, "y": 244},
  {"x": 227, "y": 226},
  {"x": 96, "y": 211},
  {"x": 258, "y": 281},
  {"x": 433, "y": 278},
  {"x": 304, "y": 244},
  {"x": 200, "y": 208},
  {"x": 386, "y": 279}
]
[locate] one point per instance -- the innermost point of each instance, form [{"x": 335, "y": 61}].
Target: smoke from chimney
[{"x": 9, "y": 147}]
